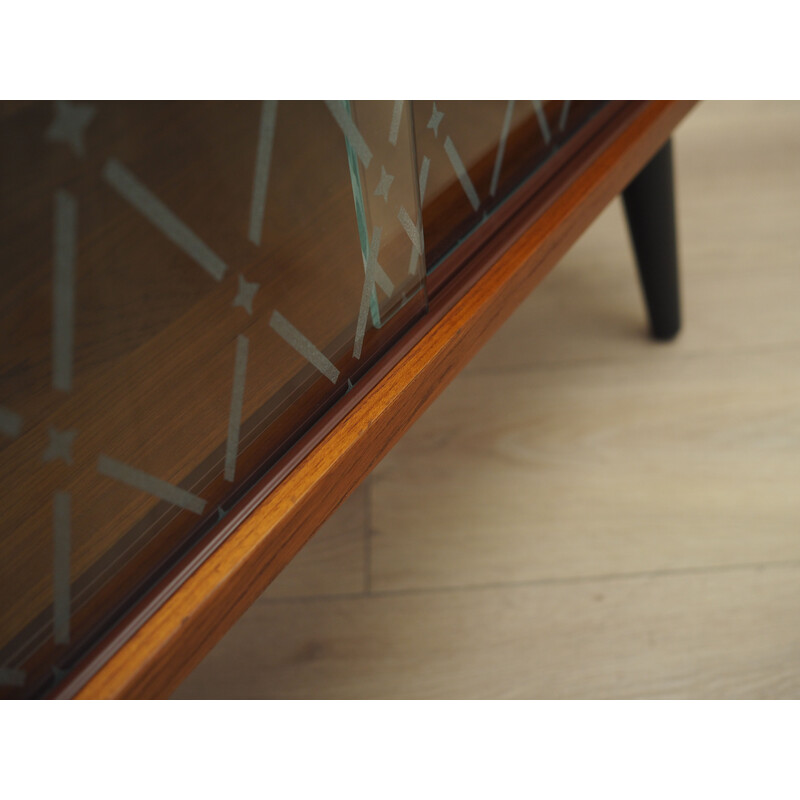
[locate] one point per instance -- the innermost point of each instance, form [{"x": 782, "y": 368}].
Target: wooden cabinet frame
[{"x": 167, "y": 634}]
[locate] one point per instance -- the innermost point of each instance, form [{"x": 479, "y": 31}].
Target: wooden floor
[{"x": 583, "y": 513}]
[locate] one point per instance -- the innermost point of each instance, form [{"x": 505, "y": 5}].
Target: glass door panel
[{"x": 187, "y": 286}]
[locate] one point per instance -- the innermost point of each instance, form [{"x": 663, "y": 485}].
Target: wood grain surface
[{"x": 178, "y": 634}]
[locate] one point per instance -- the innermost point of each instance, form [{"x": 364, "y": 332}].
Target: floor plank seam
[{"x": 566, "y": 581}]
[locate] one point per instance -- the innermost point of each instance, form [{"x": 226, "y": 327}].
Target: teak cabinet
[{"x": 218, "y": 317}]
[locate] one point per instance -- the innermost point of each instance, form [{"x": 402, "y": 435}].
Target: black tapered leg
[{"x": 650, "y": 208}]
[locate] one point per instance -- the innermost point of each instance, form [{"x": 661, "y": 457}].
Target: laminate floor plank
[
  {"x": 665, "y": 463},
  {"x": 720, "y": 634}
]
